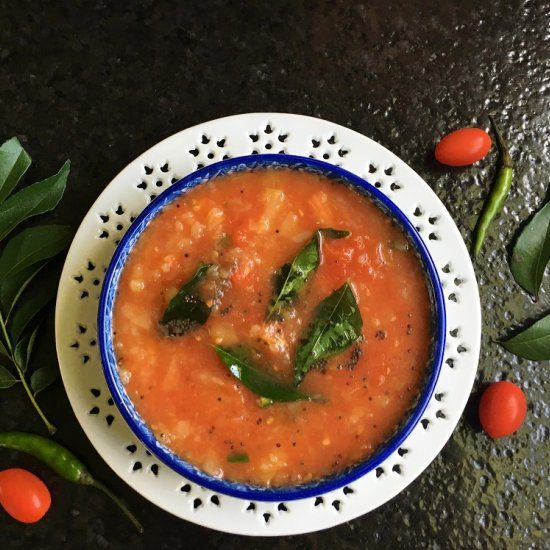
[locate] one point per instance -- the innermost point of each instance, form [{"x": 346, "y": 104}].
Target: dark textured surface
[{"x": 101, "y": 84}]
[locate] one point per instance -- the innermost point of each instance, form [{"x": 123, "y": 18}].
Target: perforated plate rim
[{"x": 128, "y": 194}]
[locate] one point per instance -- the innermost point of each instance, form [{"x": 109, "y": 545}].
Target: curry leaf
[
  {"x": 12, "y": 288},
  {"x": 21, "y": 258},
  {"x": 186, "y": 310},
  {"x": 3, "y": 350},
  {"x": 30, "y": 344},
  {"x": 32, "y": 304},
  {"x": 7, "y": 380},
  {"x": 23, "y": 349},
  {"x": 20, "y": 354},
  {"x": 33, "y": 200},
  {"x": 42, "y": 378},
  {"x": 31, "y": 246},
  {"x": 292, "y": 277},
  {"x": 257, "y": 380},
  {"x": 532, "y": 252},
  {"x": 14, "y": 162},
  {"x": 336, "y": 325},
  {"x": 532, "y": 343}
]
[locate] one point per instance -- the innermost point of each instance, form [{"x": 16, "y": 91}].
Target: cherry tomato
[
  {"x": 502, "y": 409},
  {"x": 24, "y": 496},
  {"x": 463, "y": 147}
]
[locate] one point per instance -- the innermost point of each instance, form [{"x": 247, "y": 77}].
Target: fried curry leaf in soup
[
  {"x": 292, "y": 277},
  {"x": 258, "y": 380},
  {"x": 336, "y": 325},
  {"x": 186, "y": 310}
]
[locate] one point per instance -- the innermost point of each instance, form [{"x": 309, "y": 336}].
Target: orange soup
[{"x": 243, "y": 229}]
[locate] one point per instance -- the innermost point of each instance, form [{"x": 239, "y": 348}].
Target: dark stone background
[{"x": 100, "y": 82}]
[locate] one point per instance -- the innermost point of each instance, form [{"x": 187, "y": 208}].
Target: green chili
[
  {"x": 498, "y": 193},
  {"x": 61, "y": 461}
]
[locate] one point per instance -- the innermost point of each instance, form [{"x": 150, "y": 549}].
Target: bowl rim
[{"x": 125, "y": 404}]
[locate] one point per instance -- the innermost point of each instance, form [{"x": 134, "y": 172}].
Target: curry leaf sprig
[{"x": 22, "y": 257}]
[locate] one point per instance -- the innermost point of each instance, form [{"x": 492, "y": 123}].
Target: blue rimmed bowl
[{"x": 125, "y": 404}]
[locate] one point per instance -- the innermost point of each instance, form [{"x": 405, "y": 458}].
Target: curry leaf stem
[{"x": 51, "y": 428}]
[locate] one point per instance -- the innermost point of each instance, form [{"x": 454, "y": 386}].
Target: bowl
[{"x": 126, "y": 406}]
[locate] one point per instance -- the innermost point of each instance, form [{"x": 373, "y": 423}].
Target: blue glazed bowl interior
[{"x": 142, "y": 430}]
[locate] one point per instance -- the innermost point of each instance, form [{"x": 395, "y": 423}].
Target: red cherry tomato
[
  {"x": 24, "y": 496},
  {"x": 502, "y": 409},
  {"x": 463, "y": 147}
]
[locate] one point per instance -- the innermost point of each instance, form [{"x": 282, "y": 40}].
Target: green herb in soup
[
  {"x": 268, "y": 387},
  {"x": 337, "y": 323},
  {"x": 186, "y": 310},
  {"x": 292, "y": 277},
  {"x": 237, "y": 458}
]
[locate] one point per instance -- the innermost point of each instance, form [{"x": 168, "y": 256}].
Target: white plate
[{"x": 131, "y": 190}]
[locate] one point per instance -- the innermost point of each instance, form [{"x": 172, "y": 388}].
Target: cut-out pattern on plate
[{"x": 111, "y": 216}]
